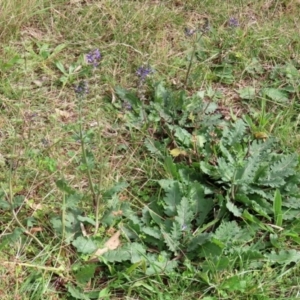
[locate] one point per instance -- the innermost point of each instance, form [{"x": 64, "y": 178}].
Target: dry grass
[{"x": 14, "y": 15}]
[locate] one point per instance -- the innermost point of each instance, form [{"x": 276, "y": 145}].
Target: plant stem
[
  {"x": 58, "y": 270},
  {"x": 83, "y": 150},
  {"x": 191, "y": 59},
  {"x": 95, "y": 196}
]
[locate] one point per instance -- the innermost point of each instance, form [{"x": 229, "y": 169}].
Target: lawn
[{"x": 149, "y": 149}]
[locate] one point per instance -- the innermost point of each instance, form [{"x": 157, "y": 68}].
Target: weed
[{"x": 138, "y": 182}]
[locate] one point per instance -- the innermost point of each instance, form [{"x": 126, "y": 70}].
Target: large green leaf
[
  {"x": 234, "y": 283},
  {"x": 70, "y": 226},
  {"x": 200, "y": 204},
  {"x": 246, "y": 174},
  {"x": 233, "y": 209},
  {"x": 152, "y": 231},
  {"x": 161, "y": 95},
  {"x": 11, "y": 238},
  {"x": 182, "y": 135},
  {"x": 170, "y": 167},
  {"x": 76, "y": 293},
  {"x": 279, "y": 170},
  {"x": 233, "y": 134},
  {"x": 184, "y": 213},
  {"x": 133, "y": 252},
  {"x": 128, "y": 96},
  {"x": 84, "y": 245},
  {"x": 173, "y": 195},
  {"x": 284, "y": 256},
  {"x": 118, "y": 255},
  {"x": 198, "y": 240},
  {"x": 231, "y": 233},
  {"x": 225, "y": 170},
  {"x": 172, "y": 244},
  {"x": 153, "y": 147},
  {"x": 276, "y": 95},
  {"x": 161, "y": 263},
  {"x": 85, "y": 273},
  {"x": 247, "y": 93}
]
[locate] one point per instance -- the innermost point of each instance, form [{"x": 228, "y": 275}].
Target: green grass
[{"x": 39, "y": 129}]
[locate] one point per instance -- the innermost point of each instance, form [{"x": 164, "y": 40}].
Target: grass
[{"x": 39, "y": 121}]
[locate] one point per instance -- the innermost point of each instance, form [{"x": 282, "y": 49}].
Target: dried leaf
[
  {"x": 38, "y": 83},
  {"x": 117, "y": 213},
  {"x": 192, "y": 117},
  {"x": 99, "y": 252},
  {"x": 111, "y": 231},
  {"x": 199, "y": 140},
  {"x": 63, "y": 114},
  {"x": 35, "y": 229},
  {"x": 94, "y": 124},
  {"x": 33, "y": 32},
  {"x": 176, "y": 152},
  {"x": 114, "y": 241},
  {"x": 111, "y": 244},
  {"x": 120, "y": 116},
  {"x": 260, "y": 135},
  {"x": 32, "y": 205},
  {"x": 84, "y": 233}
]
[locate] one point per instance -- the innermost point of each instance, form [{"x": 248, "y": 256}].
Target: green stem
[
  {"x": 58, "y": 270},
  {"x": 96, "y": 197},
  {"x": 191, "y": 60},
  {"x": 83, "y": 150}
]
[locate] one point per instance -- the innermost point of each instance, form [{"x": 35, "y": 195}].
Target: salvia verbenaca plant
[
  {"x": 81, "y": 90},
  {"x": 233, "y": 22},
  {"x": 94, "y": 57},
  {"x": 219, "y": 173},
  {"x": 143, "y": 72}
]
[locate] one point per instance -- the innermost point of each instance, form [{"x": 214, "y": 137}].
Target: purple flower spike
[
  {"x": 233, "y": 22},
  {"x": 126, "y": 105},
  {"x": 189, "y": 32},
  {"x": 143, "y": 72},
  {"x": 93, "y": 57},
  {"x": 82, "y": 88}
]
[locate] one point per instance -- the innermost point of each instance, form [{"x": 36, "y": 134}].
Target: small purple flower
[
  {"x": 82, "y": 88},
  {"x": 233, "y": 22},
  {"x": 126, "y": 105},
  {"x": 143, "y": 72},
  {"x": 206, "y": 26},
  {"x": 45, "y": 142},
  {"x": 93, "y": 57},
  {"x": 189, "y": 32}
]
